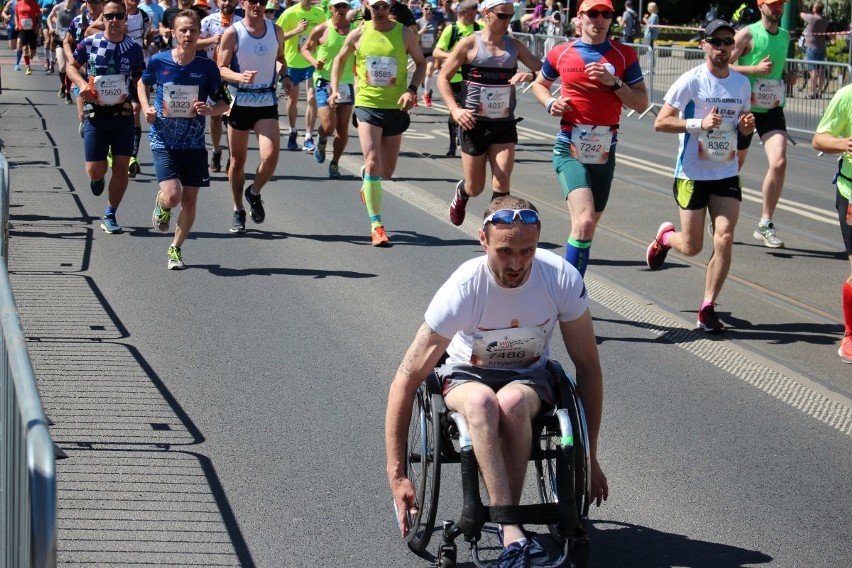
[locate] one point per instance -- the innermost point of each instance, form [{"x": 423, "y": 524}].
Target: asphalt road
[{"x": 232, "y": 414}]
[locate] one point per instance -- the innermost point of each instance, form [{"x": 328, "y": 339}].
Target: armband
[
  {"x": 693, "y": 125},
  {"x": 413, "y": 89},
  {"x": 549, "y": 104}
]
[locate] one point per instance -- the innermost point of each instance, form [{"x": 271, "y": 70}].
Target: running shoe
[
  {"x": 380, "y": 237},
  {"x": 46, "y": 65},
  {"x": 68, "y": 100},
  {"x": 309, "y": 145},
  {"x": 655, "y": 256},
  {"x": 319, "y": 151},
  {"x": 175, "y": 258},
  {"x": 709, "y": 321},
  {"x": 845, "y": 349},
  {"x": 61, "y": 93},
  {"x": 451, "y": 153},
  {"x": 29, "y": 71},
  {"x": 216, "y": 162},
  {"x": 768, "y": 235},
  {"x": 17, "y": 67},
  {"x": 97, "y": 186},
  {"x": 514, "y": 556},
  {"x": 133, "y": 168},
  {"x": 258, "y": 214},
  {"x": 110, "y": 225},
  {"x": 457, "y": 206},
  {"x": 427, "y": 100},
  {"x": 292, "y": 145},
  {"x": 333, "y": 170},
  {"x": 52, "y": 68},
  {"x": 160, "y": 217},
  {"x": 239, "y": 223}
]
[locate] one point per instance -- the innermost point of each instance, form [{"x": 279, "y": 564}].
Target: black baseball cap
[{"x": 715, "y": 26}]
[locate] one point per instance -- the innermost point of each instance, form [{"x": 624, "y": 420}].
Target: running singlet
[
  {"x": 450, "y": 38},
  {"x": 255, "y": 54},
  {"x": 288, "y": 21},
  {"x": 592, "y": 102},
  {"x": 709, "y": 154},
  {"x": 328, "y": 51},
  {"x": 110, "y": 66},
  {"x": 27, "y": 15},
  {"x": 506, "y": 328},
  {"x": 485, "y": 88},
  {"x": 64, "y": 17},
  {"x": 138, "y": 26},
  {"x": 214, "y": 25},
  {"x": 382, "y": 65},
  {"x": 177, "y": 126},
  {"x": 767, "y": 91}
]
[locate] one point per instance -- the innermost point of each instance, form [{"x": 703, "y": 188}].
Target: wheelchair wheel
[
  {"x": 545, "y": 467},
  {"x": 423, "y": 468}
]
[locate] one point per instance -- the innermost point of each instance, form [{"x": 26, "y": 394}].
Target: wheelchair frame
[{"x": 562, "y": 465}]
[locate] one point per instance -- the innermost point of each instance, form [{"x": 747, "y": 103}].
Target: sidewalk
[{"x": 135, "y": 488}]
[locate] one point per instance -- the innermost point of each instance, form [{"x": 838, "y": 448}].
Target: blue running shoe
[
  {"x": 109, "y": 224},
  {"x": 292, "y": 145},
  {"x": 333, "y": 170},
  {"x": 309, "y": 145},
  {"x": 319, "y": 151},
  {"x": 17, "y": 67},
  {"x": 514, "y": 556}
]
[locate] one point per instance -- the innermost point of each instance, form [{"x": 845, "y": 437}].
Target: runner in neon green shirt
[
  {"x": 323, "y": 45},
  {"x": 302, "y": 18},
  {"x": 381, "y": 47},
  {"x": 834, "y": 136}
]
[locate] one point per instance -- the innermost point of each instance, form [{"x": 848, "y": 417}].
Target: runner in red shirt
[
  {"x": 598, "y": 76},
  {"x": 27, "y": 22}
]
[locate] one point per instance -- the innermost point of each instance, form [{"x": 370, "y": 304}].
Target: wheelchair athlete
[{"x": 494, "y": 317}]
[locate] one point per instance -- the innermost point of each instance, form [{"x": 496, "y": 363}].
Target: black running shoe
[
  {"x": 97, "y": 186},
  {"x": 258, "y": 215},
  {"x": 216, "y": 162}
]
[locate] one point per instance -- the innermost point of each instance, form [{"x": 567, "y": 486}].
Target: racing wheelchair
[{"x": 560, "y": 454}]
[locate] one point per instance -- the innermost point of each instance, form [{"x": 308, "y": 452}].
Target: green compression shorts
[{"x": 573, "y": 175}]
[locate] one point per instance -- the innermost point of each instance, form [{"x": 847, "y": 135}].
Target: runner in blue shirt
[
  {"x": 187, "y": 85},
  {"x": 113, "y": 64}
]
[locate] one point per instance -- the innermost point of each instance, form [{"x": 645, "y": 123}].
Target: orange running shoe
[
  {"x": 380, "y": 238},
  {"x": 845, "y": 350}
]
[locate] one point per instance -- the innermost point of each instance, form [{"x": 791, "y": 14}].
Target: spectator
[
  {"x": 628, "y": 21},
  {"x": 520, "y": 7},
  {"x": 651, "y": 20},
  {"x": 815, "y": 26}
]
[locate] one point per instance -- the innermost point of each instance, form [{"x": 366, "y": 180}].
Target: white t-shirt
[
  {"x": 710, "y": 155},
  {"x": 212, "y": 26},
  {"x": 506, "y": 328}
]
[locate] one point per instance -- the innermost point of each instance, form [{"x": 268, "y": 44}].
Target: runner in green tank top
[
  {"x": 760, "y": 53},
  {"x": 320, "y": 49},
  {"x": 381, "y": 47}
]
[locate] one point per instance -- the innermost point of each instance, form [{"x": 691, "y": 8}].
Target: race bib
[
  {"x": 718, "y": 144},
  {"x": 494, "y": 102},
  {"x": 345, "y": 93},
  {"x": 178, "y": 99},
  {"x": 427, "y": 40},
  {"x": 26, "y": 23},
  {"x": 591, "y": 144},
  {"x": 381, "y": 71},
  {"x": 111, "y": 89},
  {"x": 768, "y": 93},
  {"x": 512, "y": 348}
]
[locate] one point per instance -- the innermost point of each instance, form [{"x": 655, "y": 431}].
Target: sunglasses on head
[
  {"x": 509, "y": 216},
  {"x": 605, "y": 14},
  {"x": 501, "y": 15},
  {"x": 718, "y": 41},
  {"x": 116, "y": 16}
]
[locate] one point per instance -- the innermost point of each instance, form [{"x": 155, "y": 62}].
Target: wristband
[
  {"x": 413, "y": 89},
  {"x": 693, "y": 125},
  {"x": 549, "y": 104}
]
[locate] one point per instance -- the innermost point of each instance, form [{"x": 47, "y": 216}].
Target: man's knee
[{"x": 482, "y": 408}]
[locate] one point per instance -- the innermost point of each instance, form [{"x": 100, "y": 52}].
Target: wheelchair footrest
[{"x": 539, "y": 514}]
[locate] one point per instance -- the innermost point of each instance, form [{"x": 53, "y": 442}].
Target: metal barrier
[{"x": 27, "y": 462}]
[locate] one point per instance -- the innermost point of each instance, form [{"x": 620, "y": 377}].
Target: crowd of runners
[{"x": 173, "y": 66}]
